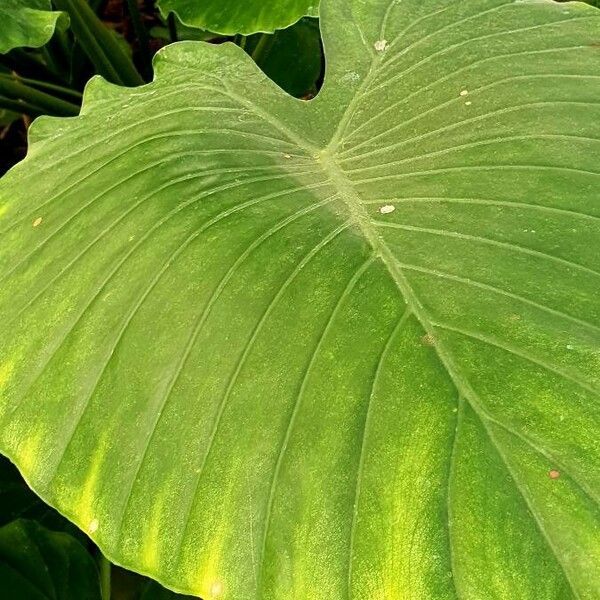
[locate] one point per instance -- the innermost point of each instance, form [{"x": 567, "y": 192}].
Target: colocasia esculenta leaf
[
  {"x": 261, "y": 348},
  {"x": 38, "y": 564}
]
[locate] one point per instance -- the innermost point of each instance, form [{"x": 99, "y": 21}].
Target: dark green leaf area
[{"x": 38, "y": 564}]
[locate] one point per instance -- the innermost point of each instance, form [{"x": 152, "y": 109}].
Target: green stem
[
  {"x": 20, "y": 107},
  {"x": 11, "y": 88},
  {"x": 172, "y": 23},
  {"x": 142, "y": 37},
  {"x": 240, "y": 40},
  {"x": 262, "y": 47},
  {"x": 100, "y": 44},
  {"x": 25, "y": 63},
  {"x": 44, "y": 85},
  {"x": 105, "y": 567},
  {"x": 22, "y": 56},
  {"x": 58, "y": 54},
  {"x": 52, "y": 64}
]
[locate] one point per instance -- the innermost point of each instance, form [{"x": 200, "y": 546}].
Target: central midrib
[
  {"x": 352, "y": 200},
  {"x": 343, "y": 185}
]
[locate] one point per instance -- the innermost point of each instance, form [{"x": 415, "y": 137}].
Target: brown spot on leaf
[
  {"x": 428, "y": 340},
  {"x": 553, "y": 474}
]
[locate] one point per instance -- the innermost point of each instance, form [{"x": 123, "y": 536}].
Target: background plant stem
[
  {"x": 262, "y": 47},
  {"x": 105, "y": 567},
  {"x": 142, "y": 38},
  {"x": 100, "y": 44},
  {"x": 20, "y": 106},
  {"x": 172, "y": 27},
  {"x": 16, "y": 90},
  {"x": 28, "y": 65},
  {"x": 44, "y": 85}
]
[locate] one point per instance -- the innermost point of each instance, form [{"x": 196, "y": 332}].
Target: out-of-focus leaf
[
  {"x": 229, "y": 17},
  {"x": 18, "y": 501},
  {"x": 29, "y": 23},
  {"x": 293, "y": 59},
  {"x": 38, "y": 564},
  {"x": 184, "y": 32}
]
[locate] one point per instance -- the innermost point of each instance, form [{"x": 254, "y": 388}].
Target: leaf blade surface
[{"x": 357, "y": 337}]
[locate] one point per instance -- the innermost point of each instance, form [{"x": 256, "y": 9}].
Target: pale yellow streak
[
  {"x": 29, "y": 450},
  {"x": 209, "y": 579},
  {"x": 153, "y": 535},
  {"x": 88, "y": 519},
  {"x": 6, "y": 371}
]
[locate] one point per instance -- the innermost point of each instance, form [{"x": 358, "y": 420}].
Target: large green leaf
[
  {"x": 37, "y": 564},
  {"x": 266, "y": 348},
  {"x": 28, "y": 23},
  {"x": 229, "y": 17}
]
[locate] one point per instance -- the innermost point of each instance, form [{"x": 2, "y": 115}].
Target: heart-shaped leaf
[
  {"x": 37, "y": 564},
  {"x": 28, "y": 23},
  {"x": 266, "y": 348},
  {"x": 230, "y": 17}
]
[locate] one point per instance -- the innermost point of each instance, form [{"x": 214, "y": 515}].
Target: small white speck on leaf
[
  {"x": 216, "y": 589},
  {"x": 287, "y": 156},
  {"x": 570, "y": 346},
  {"x": 93, "y": 526},
  {"x": 350, "y": 77},
  {"x": 387, "y": 209},
  {"x": 37, "y": 222},
  {"x": 464, "y": 93},
  {"x": 468, "y": 103},
  {"x": 381, "y": 45}
]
